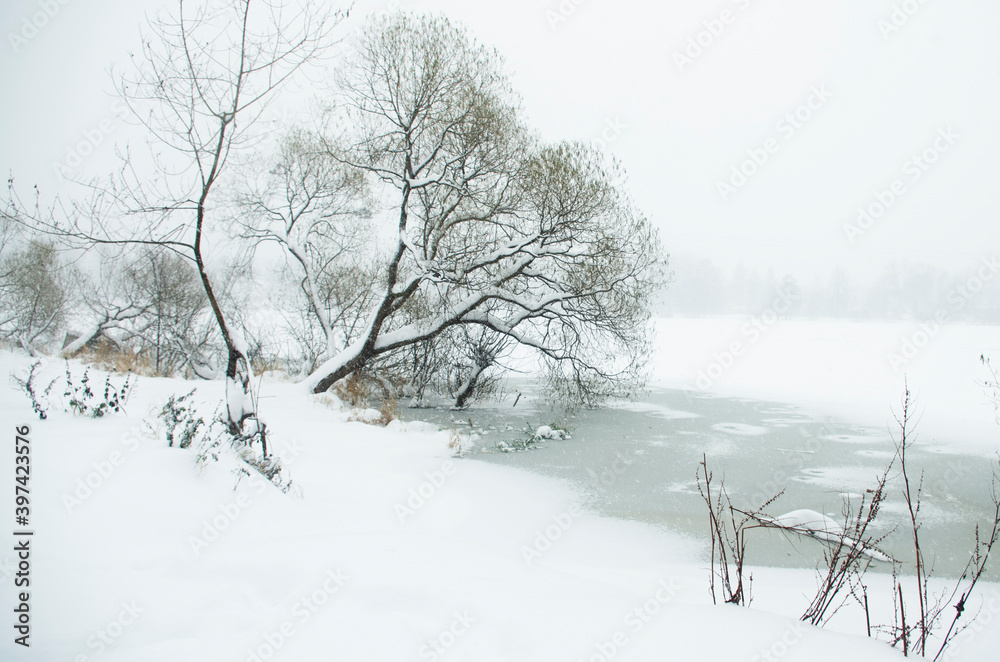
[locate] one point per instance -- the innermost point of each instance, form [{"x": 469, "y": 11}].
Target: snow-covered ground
[
  {"x": 853, "y": 370},
  {"x": 388, "y": 548}
]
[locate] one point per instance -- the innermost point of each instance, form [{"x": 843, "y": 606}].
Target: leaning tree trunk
[
  {"x": 357, "y": 357},
  {"x": 466, "y": 390},
  {"x": 78, "y": 343}
]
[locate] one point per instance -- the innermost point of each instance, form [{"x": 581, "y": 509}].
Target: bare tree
[
  {"x": 203, "y": 80},
  {"x": 473, "y": 375},
  {"x": 33, "y": 292},
  {"x": 315, "y": 208},
  {"x": 175, "y": 325},
  {"x": 536, "y": 243},
  {"x": 109, "y": 299}
]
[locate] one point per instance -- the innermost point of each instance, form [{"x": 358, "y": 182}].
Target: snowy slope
[{"x": 391, "y": 550}]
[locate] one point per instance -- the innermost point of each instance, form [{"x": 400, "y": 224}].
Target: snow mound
[
  {"x": 421, "y": 427},
  {"x": 812, "y": 522},
  {"x": 817, "y": 525},
  {"x": 548, "y": 432},
  {"x": 367, "y": 415}
]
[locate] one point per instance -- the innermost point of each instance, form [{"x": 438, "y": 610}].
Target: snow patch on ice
[
  {"x": 839, "y": 478},
  {"x": 656, "y": 410},
  {"x": 877, "y": 455},
  {"x": 739, "y": 428},
  {"x": 853, "y": 439},
  {"x": 683, "y": 488}
]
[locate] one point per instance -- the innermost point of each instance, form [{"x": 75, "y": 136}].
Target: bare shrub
[
  {"x": 727, "y": 527},
  {"x": 851, "y": 550},
  {"x": 39, "y": 398}
]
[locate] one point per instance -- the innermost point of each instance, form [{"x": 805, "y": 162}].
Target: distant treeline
[{"x": 902, "y": 291}]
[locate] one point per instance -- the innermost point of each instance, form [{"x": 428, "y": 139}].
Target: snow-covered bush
[
  {"x": 81, "y": 399},
  {"x": 553, "y": 431},
  {"x": 79, "y": 396},
  {"x": 532, "y": 437},
  {"x": 181, "y": 423},
  {"x": 462, "y": 444},
  {"x": 373, "y": 399},
  {"x": 211, "y": 441}
]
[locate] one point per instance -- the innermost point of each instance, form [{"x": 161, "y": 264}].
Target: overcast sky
[{"x": 827, "y": 107}]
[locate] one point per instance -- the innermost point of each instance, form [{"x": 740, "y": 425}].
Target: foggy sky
[{"x": 829, "y": 106}]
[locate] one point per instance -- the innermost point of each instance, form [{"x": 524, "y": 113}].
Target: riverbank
[{"x": 387, "y": 548}]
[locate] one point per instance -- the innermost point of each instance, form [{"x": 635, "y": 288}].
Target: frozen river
[{"x": 638, "y": 461}]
